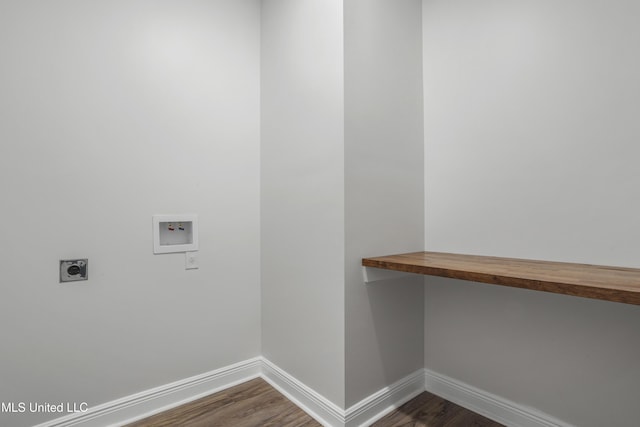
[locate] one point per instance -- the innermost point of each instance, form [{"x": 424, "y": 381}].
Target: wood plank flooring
[
  {"x": 256, "y": 404},
  {"x": 429, "y": 410},
  {"x": 251, "y": 404}
]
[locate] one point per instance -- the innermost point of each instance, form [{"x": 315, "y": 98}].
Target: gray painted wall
[
  {"x": 384, "y": 191},
  {"x": 531, "y": 136},
  {"x": 302, "y": 179},
  {"x": 111, "y": 112},
  {"x": 149, "y": 107}
]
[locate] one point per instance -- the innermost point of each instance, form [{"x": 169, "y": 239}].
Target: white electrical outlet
[{"x": 191, "y": 260}]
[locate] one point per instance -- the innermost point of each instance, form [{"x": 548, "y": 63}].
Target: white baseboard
[
  {"x": 323, "y": 410},
  {"x": 364, "y": 413},
  {"x": 491, "y": 406},
  {"x": 153, "y": 401},
  {"x": 379, "y": 404}
]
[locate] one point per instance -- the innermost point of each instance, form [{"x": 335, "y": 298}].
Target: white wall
[
  {"x": 384, "y": 190},
  {"x": 113, "y": 111},
  {"x": 531, "y": 136},
  {"x": 302, "y": 179}
]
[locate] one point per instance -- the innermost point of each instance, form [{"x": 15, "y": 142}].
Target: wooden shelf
[{"x": 583, "y": 280}]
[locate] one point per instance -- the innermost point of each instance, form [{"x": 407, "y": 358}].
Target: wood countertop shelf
[{"x": 616, "y": 284}]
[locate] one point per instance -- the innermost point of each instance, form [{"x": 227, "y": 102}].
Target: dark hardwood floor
[
  {"x": 429, "y": 410},
  {"x": 251, "y": 404},
  {"x": 256, "y": 404}
]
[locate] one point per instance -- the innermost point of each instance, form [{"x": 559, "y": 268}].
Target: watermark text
[{"x": 43, "y": 407}]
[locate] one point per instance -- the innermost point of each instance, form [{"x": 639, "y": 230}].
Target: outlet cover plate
[
  {"x": 73, "y": 270},
  {"x": 191, "y": 260}
]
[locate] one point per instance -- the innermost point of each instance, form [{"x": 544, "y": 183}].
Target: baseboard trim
[
  {"x": 320, "y": 408},
  {"x": 491, "y": 406},
  {"x": 364, "y": 413},
  {"x": 149, "y": 402},
  {"x": 379, "y": 404}
]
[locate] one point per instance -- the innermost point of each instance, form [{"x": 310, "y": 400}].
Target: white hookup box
[{"x": 175, "y": 233}]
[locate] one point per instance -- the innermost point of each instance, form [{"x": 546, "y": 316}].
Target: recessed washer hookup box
[{"x": 175, "y": 233}]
